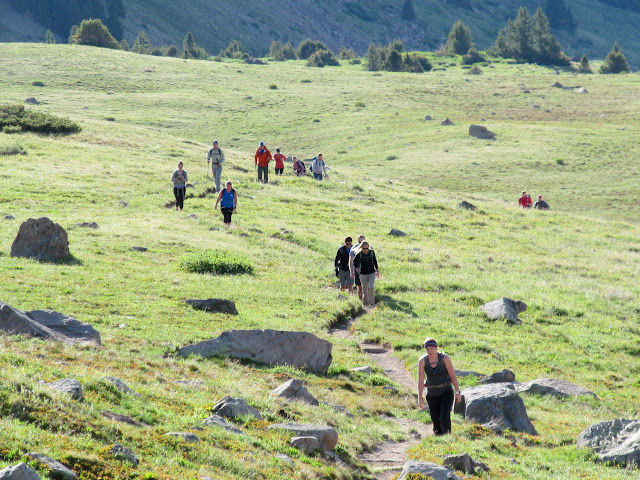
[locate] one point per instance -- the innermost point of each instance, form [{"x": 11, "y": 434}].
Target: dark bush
[
  {"x": 322, "y": 58},
  {"x": 14, "y": 118},
  {"x": 217, "y": 263},
  {"x": 308, "y": 47},
  {"x": 472, "y": 56},
  {"x": 95, "y": 33}
]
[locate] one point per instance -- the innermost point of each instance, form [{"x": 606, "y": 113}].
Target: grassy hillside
[
  {"x": 576, "y": 267},
  {"x": 353, "y": 23}
]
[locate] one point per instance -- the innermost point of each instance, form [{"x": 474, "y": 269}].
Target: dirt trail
[{"x": 388, "y": 458}]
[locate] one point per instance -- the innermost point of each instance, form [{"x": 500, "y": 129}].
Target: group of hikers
[
  {"x": 263, "y": 157},
  {"x": 525, "y": 202},
  {"x": 357, "y": 264}
]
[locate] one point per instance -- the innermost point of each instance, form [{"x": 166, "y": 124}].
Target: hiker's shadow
[{"x": 398, "y": 305}]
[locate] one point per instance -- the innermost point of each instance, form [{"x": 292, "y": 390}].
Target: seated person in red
[
  {"x": 541, "y": 204},
  {"x": 525, "y": 200}
]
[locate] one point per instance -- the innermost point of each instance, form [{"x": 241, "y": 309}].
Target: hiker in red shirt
[
  {"x": 525, "y": 200},
  {"x": 279, "y": 158},
  {"x": 262, "y": 158}
]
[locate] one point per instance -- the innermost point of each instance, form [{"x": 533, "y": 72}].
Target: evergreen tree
[
  {"x": 124, "y": 45},
  {"x": 142, "y": 44},
  {"x": 584, "y": 66},
  {"x": 615, "y": 61},
  {"x": 347, "y": 54},
  {"x": 393, "y": 60},
  {"x": 559, "y": 15},
  {"x": 459, "y": 40},
  {"x": 547, "y": 47},
  {"x": 171, "y": 51},
  {"x": 308, "y": 47},
  {"x": 115, "y": 14},
  {"x": 408, "y": 11},
  {"x": 234, "y": 50},
  {"x": 49, "y": 38},
  {"x": 191, "y": 50},
  {"x": 373, "y": 58},
  {"x": 94, "y": 32},
  {"x": 396, "y": 44}
]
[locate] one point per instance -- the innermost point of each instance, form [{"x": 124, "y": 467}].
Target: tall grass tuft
[{"x": 217, "y": 263}]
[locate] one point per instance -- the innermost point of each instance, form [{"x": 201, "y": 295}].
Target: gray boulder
[
  {"x": 327, "y": 436},
  {"x": 41, "y": 239},
  {"x": 429, "y": 470},
  {"x": 468, "y": 373},
  {"x": 498, "y": 402},
  {"x": 68, "y": 386},
  {"x": 616, "y": 441},
  {"x": 479, "y": 131},
  {"x": 232, "y": 407},
  {"x": 397, "y": 233},
  {"x": 186, "y": 436},
  {"x": 366, "y": 370},
  {"x": 504, "y": 309},
  {"x": 120, "y": 386},
  {"x": 446, "y": 122},
  {"x": 57, "y": 469},
  {"x": 19, "y": 472},
  {"x": 552, "y": 386},
  {"x": 306, "y": 444},
  {"x": 464, "y": 463},
  {"x": 214, "y": 305},
  {"x": 87, "y": 225},
  {"x": 466, "y": 205},
  {"x": 503, "y": 376},
  {"x": 271, "y": 347},
  {"x": 139, "y": 249},
  {"x": 218, "y": 421},
  {"x": 294, "y": 390},
  {"x": 32, "y": 101},
  {"x": 47, "y": 324},
  {"x": 10, "y": 217},
  {"x": 123, "y": 453}
]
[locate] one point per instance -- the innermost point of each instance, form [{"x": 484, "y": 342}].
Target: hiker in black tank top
[{"x": 437, "y": 369}]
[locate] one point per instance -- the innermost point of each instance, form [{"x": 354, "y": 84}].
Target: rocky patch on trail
[
  {"x": 498, "y": 402},
  {"x": 464, "y": 463},
  {"x": 271, "y": 347},
  {"x": 551, "y": 386},
  {"x": 504, "y": 309},
  {"x": 68, "y": 386},
  {"x": 57, "y": 469},
  {"x": 327, "y": 436},
  {"x": 428, "y": 469},
  {"x": 41, "y": 239},
  {"x": 504, "y": 376},
  {"x": 295, "y": 390},
  {"x": 214, "y": 305},
  {"x": 218, "y": 421},
  {"x": 466, "y": 205},
  {"x": 19, "y": 472},
  {"x": 616, "y": 441},
  {"x": 47, "y": 324},
  {"x": 234, "y": 407},
  {"x": 480, "y": 131}
]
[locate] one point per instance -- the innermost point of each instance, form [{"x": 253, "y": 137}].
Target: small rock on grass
[
  {"x": 57, "y": 469},
  {"x": 186, "y": 436}
]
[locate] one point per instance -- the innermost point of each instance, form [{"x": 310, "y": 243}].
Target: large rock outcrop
[
  {"x": 41, "y": 239},
  {"x": 504, "y": 309},
  {"x": 616, "y": 441},
  {"x": 480, "y": 131},
  {"x": 47, "y": 324},
  {"x": 271, "y": 347},
  {"x": 498, "y": 402},
  {"x": 552, "y": 386}
]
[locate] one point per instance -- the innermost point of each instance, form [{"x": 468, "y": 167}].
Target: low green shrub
[
  {"x": 12, "y": 150},
  {"x": 273, "y": 86},
  {"x": 18, "y": 119},
  {"x": 217, "y": 263},
  {"x": 37, "y": 84}
]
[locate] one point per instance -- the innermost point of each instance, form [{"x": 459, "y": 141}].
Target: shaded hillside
[{"x": 353, "y": 23}]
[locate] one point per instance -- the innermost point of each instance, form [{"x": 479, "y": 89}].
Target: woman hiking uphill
[
  {"x": 366, "y": 265},
  {"x": 440, "y": 377},
  {"x": 179, "y": 179},
  {"x": 228, "y": 199}
]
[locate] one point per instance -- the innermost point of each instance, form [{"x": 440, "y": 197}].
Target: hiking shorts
[{"x": 345, "y": 278}]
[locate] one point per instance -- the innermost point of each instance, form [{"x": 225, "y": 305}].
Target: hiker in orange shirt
[
  {"x": 279, "y": 159},
  {"x": 262, "y": 158}
]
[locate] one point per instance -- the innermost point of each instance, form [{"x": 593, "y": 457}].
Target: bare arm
[
  {"x": 218, "y": 200},
  {"x": 421, "y": 383},
  {"x": 235, "y": 200},
  {"x": 452, "y": 375}
]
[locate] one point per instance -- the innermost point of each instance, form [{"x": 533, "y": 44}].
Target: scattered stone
[
  {"x": 428, "y": 469},
  {"x": 139, "y": 249},
  {"x": 390, "y": 389},
  {"x": 69, "y": 386},
  {"x": 498, "y": 402},
  {"x": 327, "y": 436},
  {"x": 480, "y": 131},
  {"x": 87, "y": 225},
  {"x": 494, "y": 426},
  {"x": 125, "y": 204},
  {"x": 504, "y": 308},
  {"x": 582, "y": 90},
  {"x": 616, "y": 441},
  {"x": 186, "y": 436},
  {"x": 338, "y": 408},
  {"x": 294, "y": 390},
  {"x": 232, "y": 407},
  {"x": 121, "y": 386},
  {"x": 366, "y": 370},
  {"x": 446, "y": 122},
  {"x": 547, "y": 111},
  {"x": 214, "y": 305},
  {"x": 47, "y": 324},
  {"x": 493, "y": 113},
  {"x": 41, "y": 239},
  {"x": 19, "y": 472},
  {"x": 397, "y": 233},
  {"x": 123, "y": 453},
  {"x": 464, "y": 463},
  {"x": 306, "y": 444},
  {"x": 536, "y": 106},
  {"x": 116, "y": 417},
  {"x": 526, "y": 91},
  {"x": 271, "y": 347},
  {"x": 217, "y": 420},
  {"x": 284, "y": 458},
  {"x": 428, "y": 117},
  {"x": 193, "y": 215},
  {"x": 557, "y": 85},
  {"x": 503, "y": 376},
  {"x": 10, "y": 217},
  {"x": 551, "y": 386},
  {"x": 466, "y": 205},
  {"x": 32, "y": 101},
  {"x": 58, "y": 470},
  {"x": 468, "y": 373},
  {"x": 254, "y": 61}
]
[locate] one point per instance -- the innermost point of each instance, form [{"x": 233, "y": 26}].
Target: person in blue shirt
[{"x": 228, "y": 200}]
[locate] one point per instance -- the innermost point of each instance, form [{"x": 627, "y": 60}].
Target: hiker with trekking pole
[
  {"x": 179, "y": 180},
  {"x": 215, "y": 157}
]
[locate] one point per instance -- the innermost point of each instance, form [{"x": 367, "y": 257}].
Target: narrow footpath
[{"x": 388, "y": 458}]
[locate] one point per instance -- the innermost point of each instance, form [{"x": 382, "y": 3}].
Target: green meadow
[{"x": 575, "y": 266}]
